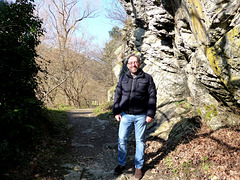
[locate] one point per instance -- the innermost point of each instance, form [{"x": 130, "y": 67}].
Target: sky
[{"x": 100, "y": 26}]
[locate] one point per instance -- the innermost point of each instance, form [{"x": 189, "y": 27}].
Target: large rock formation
[{"x": 192, "y": 50}]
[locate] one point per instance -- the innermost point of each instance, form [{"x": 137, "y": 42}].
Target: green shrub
[
  {"x": 104, "y": 111},
  {"x": 21, "y": 117}
]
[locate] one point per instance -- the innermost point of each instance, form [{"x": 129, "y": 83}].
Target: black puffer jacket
[{"x": 135, "y": 95}]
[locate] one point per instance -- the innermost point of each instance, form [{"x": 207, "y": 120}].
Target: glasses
[{"x": 134, "y": 62}]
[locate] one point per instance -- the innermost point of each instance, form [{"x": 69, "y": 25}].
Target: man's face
[{"x": 133, "y": 64}]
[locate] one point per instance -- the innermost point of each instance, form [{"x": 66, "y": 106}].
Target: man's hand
[
  {"x": 148, "y": 119},
  {"x": 118, "y": 117}
]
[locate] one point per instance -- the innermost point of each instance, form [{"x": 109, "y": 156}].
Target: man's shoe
[
  {"x": 119, "y": 169},
  {"x": 138, "y": 174}
]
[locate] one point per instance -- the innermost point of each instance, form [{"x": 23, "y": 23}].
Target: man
[{"x": 134, "y": 105}]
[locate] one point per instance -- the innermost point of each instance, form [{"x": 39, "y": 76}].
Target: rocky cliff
[{"x": 192, "y": 50}]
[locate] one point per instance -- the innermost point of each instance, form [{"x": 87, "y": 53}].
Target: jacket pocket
[
  {"x": 125, "y": 86},
  {"x": 142, "y": 86}
]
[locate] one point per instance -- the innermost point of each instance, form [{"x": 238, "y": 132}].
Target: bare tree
[
  {"x": 65, "y": 50},
  {"x": 117, "y": 13},
  {"x": 108, "y": 59},
  {"x": 65, "y": 15}
]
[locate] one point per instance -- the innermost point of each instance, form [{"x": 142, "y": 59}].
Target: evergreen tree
[{"x": 20, "y": 110}]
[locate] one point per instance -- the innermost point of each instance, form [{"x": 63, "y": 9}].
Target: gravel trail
[{"x": 94, "y": 147}]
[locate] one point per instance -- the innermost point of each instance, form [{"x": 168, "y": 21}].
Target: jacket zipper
[{"x": 131, "y": 94}]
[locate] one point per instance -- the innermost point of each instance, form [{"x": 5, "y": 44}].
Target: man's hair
[{"x": 133, "y": 55}]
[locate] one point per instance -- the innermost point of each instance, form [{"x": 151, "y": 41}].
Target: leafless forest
[{"x": 75, "y": 72}]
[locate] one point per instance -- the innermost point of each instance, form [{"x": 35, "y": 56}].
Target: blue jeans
[{"x": 125, "y": 128}]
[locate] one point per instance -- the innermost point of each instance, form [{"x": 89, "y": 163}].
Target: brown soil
[
  {"x": 94, "y": 146},
  {"x": 92, "y": 154},
  {"x": 207, "y": 155}
]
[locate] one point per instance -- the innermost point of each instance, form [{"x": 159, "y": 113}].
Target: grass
[
  {"x": 210, "y": 154},
  {"x": 51, "y": 150},
  {"x": 104, "y": 111}
]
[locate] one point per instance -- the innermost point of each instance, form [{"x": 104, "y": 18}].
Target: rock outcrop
[{"x": 192, "y": 50}]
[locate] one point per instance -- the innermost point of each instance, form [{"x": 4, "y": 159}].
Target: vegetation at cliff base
[
  {"x": 22, "y": 119},
  {"x": 206, "y": 155}
]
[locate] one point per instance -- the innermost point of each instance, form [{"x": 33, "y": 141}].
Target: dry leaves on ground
[{"x": 211, "y": 154}]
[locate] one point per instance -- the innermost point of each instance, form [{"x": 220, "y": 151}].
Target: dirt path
[{"x": 94, "y": 147}]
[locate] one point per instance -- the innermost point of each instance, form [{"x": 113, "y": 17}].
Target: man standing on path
[{"x": 134, "y": 105}]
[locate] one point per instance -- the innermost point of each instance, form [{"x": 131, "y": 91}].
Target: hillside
[
  {"x": 207, "y": 154},
  {"x": 191, "y": 48},
  {"x": 201, "y": 154}
]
